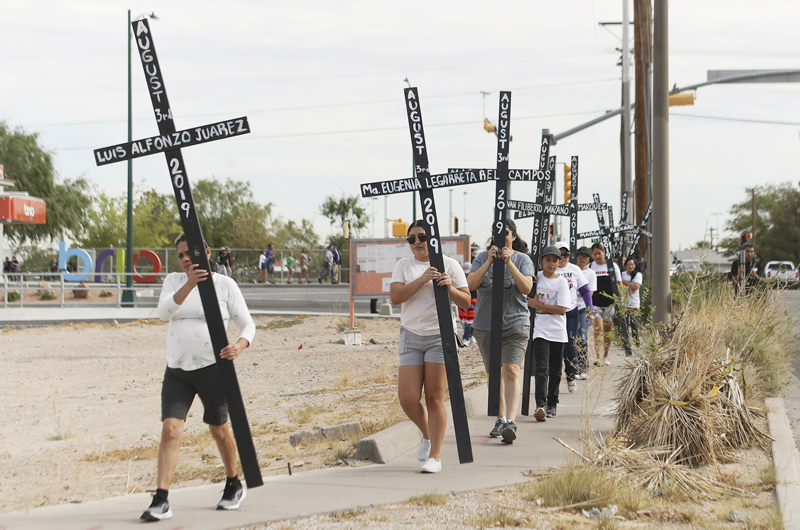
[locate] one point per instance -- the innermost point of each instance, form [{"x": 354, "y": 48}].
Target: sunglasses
[{"x": 422, "y": 238}]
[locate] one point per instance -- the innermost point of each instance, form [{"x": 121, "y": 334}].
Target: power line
[{"x": 723, "y": 118}]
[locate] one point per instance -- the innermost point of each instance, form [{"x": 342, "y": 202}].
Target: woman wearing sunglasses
[
  {"x": 517, "y": 283},
  {"x": 421, "y": 353}
]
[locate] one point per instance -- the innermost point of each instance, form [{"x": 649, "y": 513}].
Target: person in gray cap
[
  {"x": 551, "y": 302},
  {"x": 578, "y": 289},
  {"x": 584, "y": 256}
]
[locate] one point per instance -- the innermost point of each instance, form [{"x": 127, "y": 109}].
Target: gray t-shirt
[{"x": 515, "y": 305}]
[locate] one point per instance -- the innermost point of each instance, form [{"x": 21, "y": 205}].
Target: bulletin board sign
[{"x": 373, "y": 260}]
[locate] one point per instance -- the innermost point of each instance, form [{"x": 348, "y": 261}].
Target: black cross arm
[
  {"x": 426, "y": 182},
  {"x": 173, "y": 140},
  {"x": 592, "y": 206}
]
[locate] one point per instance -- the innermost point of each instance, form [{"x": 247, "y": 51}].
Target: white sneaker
[
  {"x": 571, "y": 386},
  {"x": 607, "y": 362},
  {"x": 424, "y": 451},
  {"x": 431, "y": 465},
  {"x": 472, "y": 341}
]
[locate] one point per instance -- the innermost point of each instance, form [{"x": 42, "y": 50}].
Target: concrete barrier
[{"x": 787, "y": 463}]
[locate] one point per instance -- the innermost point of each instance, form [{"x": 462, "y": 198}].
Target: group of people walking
[{"x": 566, "y": 300}]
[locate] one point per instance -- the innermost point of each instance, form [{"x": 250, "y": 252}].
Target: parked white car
[{"x": 782, "y": 271}]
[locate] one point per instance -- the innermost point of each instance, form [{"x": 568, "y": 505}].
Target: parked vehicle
[{"x": 782, "y": 271}]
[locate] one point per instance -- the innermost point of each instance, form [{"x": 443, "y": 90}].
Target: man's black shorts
[{"x": 180, "y": 387}]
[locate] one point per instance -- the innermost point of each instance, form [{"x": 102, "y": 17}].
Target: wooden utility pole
[{"x": 643, "y": 59}]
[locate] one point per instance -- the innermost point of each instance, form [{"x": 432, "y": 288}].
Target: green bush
[
  {"x": 13, "y": 296},
  {"x": 47, "y": 295},
  {"x": 106, "y": 294}
]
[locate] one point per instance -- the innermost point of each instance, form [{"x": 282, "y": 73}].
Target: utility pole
[
  {"x": 626, "y": 185},
  {"x": 753, "y": 230},
  {"x": 662, "y": 298},
  {"x": 642, "y": 60}
]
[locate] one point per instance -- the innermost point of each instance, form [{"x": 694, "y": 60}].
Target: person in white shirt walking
[
  {"x": 603, "y": 300},
  {"x": 549, "y": 333},
  {"x": 633, "y": 281},
  {"x": 192, "y": 370},
  {"x": 420, "y": 349},
  {"x": 578, "y": 289},
  {"x": 584, "y": 256}
]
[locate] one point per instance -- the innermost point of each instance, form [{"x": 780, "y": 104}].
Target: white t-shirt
[
  {"x": 418, "y": 313},
  {"x": 551, "y": 292},
  {"x": 603, "y": 296},
  {"x": 633, "y": 297},
  {"x": 261, "y": 259},
  {"x": 188, "y": 341},
  {"x": 591, "y": 281},
  {"x": 575, "y": 278}
]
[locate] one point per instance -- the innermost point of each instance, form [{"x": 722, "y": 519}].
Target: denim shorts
[
  {"x": 416, "y": 350},
  {"x": 515, "y": 342}
]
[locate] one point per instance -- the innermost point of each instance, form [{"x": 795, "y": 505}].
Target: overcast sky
[{"x": 322, "y": 84}]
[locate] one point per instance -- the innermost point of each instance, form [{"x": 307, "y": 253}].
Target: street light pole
[{"x": 129, "y": 295}]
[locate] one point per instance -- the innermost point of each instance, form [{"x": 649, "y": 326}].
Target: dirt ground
[{"x": 81, "y": 416}]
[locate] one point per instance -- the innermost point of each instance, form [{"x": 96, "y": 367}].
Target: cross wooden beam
[
  {"x": 424, "y": 183},
  {"x": 170, "y": 142}
]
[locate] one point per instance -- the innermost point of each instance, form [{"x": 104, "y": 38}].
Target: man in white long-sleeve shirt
[{"x": 191, "y": 369}]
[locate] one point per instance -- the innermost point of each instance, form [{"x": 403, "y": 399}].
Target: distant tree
[
  {"x": 230, "y": 215},
  {"x": 288, "y": 234},
  {"x": 106, "y": 223},
  {"x": 155, "y": 220},
  {"x": 26, "y": 162},
  {"x": 346, "y": 208},
  {"x": 702, "y": 245},
  {"x": 777, "y": 234}
]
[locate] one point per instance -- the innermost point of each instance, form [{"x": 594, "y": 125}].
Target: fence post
[
  {"x": 61, "y": 274},
  {"x": 5, "y": 288}
]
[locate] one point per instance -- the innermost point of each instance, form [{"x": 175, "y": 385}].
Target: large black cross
[
  {"x": 425, "y": 183},
  {"x": 170, "y": 142}
]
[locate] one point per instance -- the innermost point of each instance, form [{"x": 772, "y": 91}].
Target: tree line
[{"x": 230, "y": 215}]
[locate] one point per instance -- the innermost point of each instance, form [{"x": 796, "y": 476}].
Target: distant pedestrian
[
  {"x": 224, "y": 262},
  {"x": 633, "y": 281},
  {"x": 7, "y": 265},
  {"x": 270, "y": 265},
  {"x": 640, "y": 262},
  {"x": 420, "y": 349},
  {"x": 584, "y": 256},
  {"x": 14, "y": 267},
  {"x": 467, "y": 316},
  {"x": 53, "y": 269},
  {"x": 603, "y": 300},
  {"x": 337, "y": 263},
  {"x": 262, "y": 267},
  {"x": 549, "y": 333},
  {"x": 328, "y": 264},
  {"x": 290, "y": 266},
  {"x": 305, "y": 260},
  {"x": 747, "y": 272}
]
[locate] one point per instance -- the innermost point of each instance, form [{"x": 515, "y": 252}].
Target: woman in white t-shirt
[
  {"x": 584, "y": 256},
  {"x": 603, "y": 300},
  {"x": 420, "y": 349},
  {"x": 632, "y": 280}
]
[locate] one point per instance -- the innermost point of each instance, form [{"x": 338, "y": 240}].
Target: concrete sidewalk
[{"x": 325, "y": 491}]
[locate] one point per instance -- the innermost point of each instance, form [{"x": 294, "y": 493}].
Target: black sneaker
[
  {"x": 551, "y": 412},
  {"x": 233, "y": 495},
  {"x": 158, "y": 510},
  {"x": 509, "y": 432},
  {"x": 498, "y": 428}
]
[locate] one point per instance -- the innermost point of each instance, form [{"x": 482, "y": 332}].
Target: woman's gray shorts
[
  {"x": 416, "y": 350},
  {"x": 515, "y": 342},
  {"x": 606, "y": 312}
]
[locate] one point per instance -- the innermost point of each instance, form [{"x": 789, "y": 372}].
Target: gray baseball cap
[
  {"x": 551, "y": 250},
  {"x": 584, "y": 250}
]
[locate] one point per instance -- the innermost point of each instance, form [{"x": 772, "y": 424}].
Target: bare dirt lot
[{"x": 81, "y": 412}]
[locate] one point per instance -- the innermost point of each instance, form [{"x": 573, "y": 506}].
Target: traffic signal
[
  {"x": 455, "y": 224},
  {"x": 567, "y": 183},
  {"x": 680, "y": 100},
  {"x": 490, "y": 128}
]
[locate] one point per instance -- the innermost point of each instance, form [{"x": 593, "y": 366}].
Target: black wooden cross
[
  {"x": 425, "y": 183},
  {"x": 642, "y": 229},
  {"x": 170, "y": 142}
]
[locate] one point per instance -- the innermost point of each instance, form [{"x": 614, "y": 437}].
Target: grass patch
[
  {"x": 768, "y": 476},
  {"x": 59, "y": 436},
  {"x": 347, "y": 514},
  {"x": 209, "y": 473},
  {"x": 575, "y": 483},
  {"x": 47, "y": 295},
  {"x": 306, "y": 413},
  {"x": 496, "y": 518},
  {"x": 13, "y": 296},
  {"x": 428, "y": 499},
  {"x": 282, "y": 323},
  {"x": 344, "y": 453},
  {"x": 106, "y": 294}
]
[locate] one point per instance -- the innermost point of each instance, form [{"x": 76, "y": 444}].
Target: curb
[
  {"x": 390, "y": 443},
  {"x": 787, "y": 463}
]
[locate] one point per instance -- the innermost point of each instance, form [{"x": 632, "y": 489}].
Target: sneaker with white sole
[
  {"x": 607, "y": 362},
  {"x": 509, "y": 432},
  {"x": 431, "y": 465},
  {"x": 580, "y": 376},
  {"x": 572, "y": 386},
  {"x": 158, "y": 511},
  {"x": 424, "y": 451},
  {"x": 232, "y": 496},
  {"x": 498, "y": 428},
  {"x": 540, "y": 414},
  {"x": 552, "y": 412}
]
